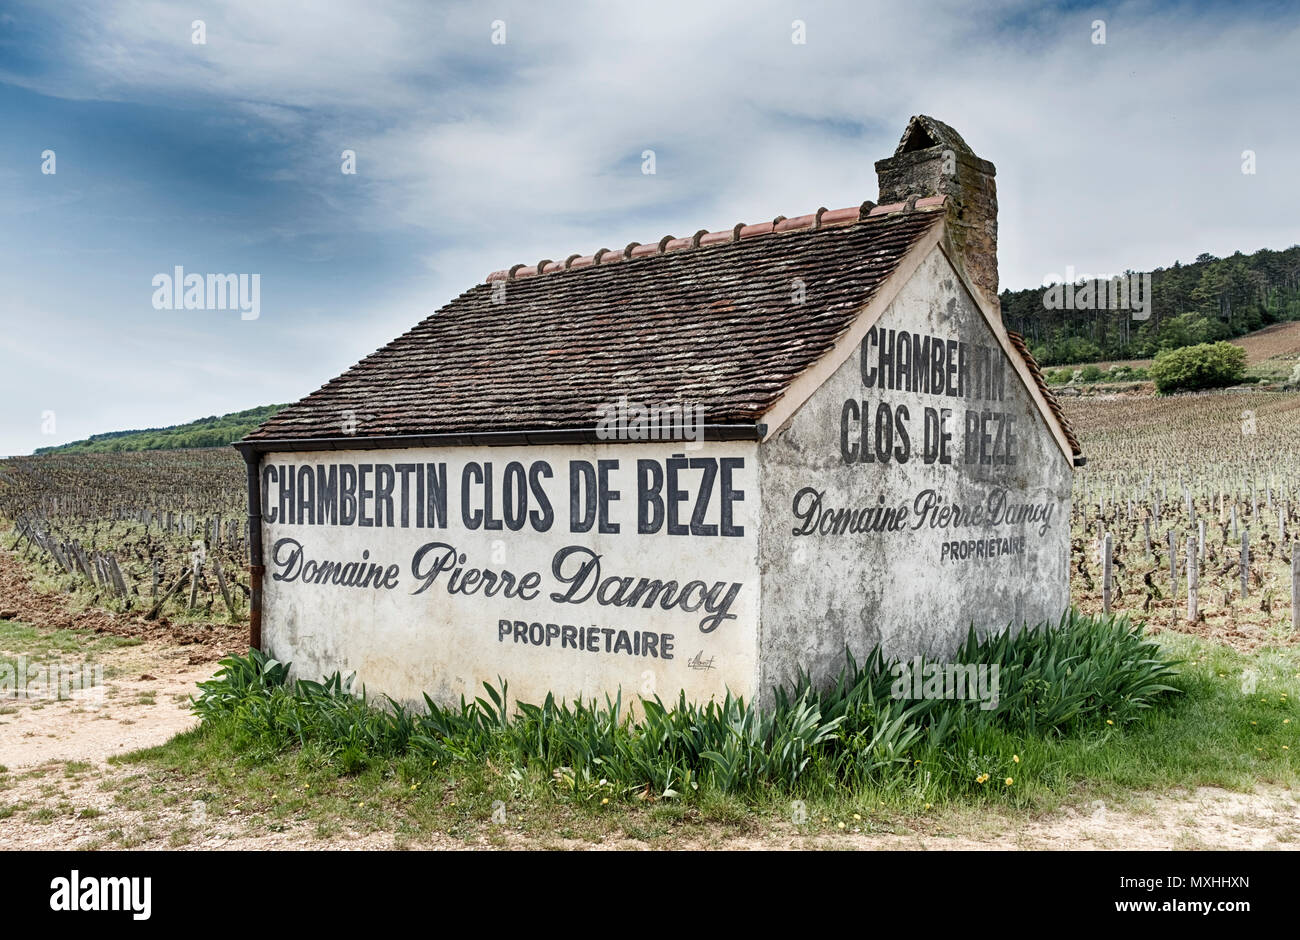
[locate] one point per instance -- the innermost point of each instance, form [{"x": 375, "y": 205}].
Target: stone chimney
[{"x": 933, "y": 160}]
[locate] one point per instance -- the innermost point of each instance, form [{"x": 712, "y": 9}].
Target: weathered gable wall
[
  {"x": 498, "y": 581},
  {"x": 913, "y": 579}
]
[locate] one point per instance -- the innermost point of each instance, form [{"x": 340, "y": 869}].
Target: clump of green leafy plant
[
  {"x": 861, "y": 728},
  {"x": 1206, "y": 365}
]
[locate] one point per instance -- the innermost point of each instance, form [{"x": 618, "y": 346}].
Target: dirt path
[
  {"x": 137, "y": 695},
  {"x": 143, "y": 701},
  {"x": 140, "y": 675},
  {"x": 60, "y": 792}
]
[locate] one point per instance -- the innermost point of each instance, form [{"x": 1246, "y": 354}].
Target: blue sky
[{"x": 225, "y": 157}]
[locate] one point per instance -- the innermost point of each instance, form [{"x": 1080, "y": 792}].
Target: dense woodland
[
  {"x": 1208, "y": 300},
  {"x": 214, "y": 431}
]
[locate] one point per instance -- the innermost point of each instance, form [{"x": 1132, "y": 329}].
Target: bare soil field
[
  {"x": 1232, "y": 454},
  {"x": 1281, "y": 340}
]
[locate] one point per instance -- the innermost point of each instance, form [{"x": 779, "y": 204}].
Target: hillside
[
  {"x": 1207, "y": 300},
  {"x": 1279, "y": 341},
  {"x": 1271, "y": 353},
  {"x": 212, "y": 431}
]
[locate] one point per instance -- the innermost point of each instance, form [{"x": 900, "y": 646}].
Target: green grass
[
  {"x": 857, "y": 730},
  {"x": 19, "y": 639},
  {"x": 1277, "y": 369},
  {"x": 1209, "y": 731},
  {"x": 42, "y": 647}
]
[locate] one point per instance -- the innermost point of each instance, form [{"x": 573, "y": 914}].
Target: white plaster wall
[
  {"x": 405, "y": 644},
  {"x": 822, "y": 593}
]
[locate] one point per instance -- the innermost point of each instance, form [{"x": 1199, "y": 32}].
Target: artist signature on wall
[{"x": 699, "y": 662}]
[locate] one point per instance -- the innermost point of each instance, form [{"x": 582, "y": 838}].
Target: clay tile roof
[
  {"x": 1018, "y": 341},
  {"x": 707, "y": 319}
]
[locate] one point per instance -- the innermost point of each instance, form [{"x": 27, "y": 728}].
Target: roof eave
[{"x": 750, "y": 431}]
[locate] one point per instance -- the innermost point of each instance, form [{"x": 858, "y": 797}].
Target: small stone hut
[{"x": 693, "y": 464}]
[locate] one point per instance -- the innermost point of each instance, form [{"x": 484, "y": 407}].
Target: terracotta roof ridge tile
[{"x": 703, "y": 238}]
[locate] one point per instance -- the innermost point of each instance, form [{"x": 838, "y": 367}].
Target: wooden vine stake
[
  {"x": 1193, "y": 581},
  {"x": 221, "y": 583},
  {"x": 1105, "y": 574},
  {"x": 194, "y": 582},
  {"x": 1295, "y": 585},
  {"x": 1245, "y": 562},
  {"x": 1173, "y": 566},
  {"x": 153, "y": 612}
]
